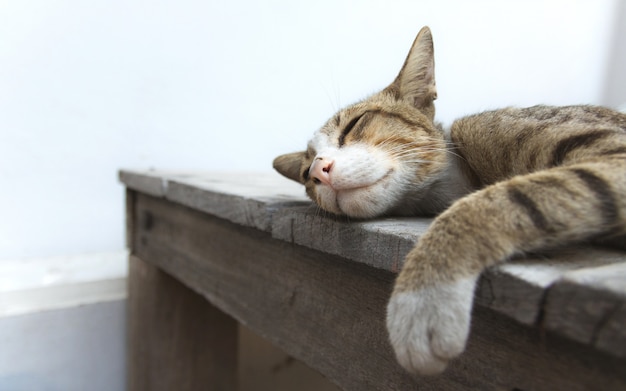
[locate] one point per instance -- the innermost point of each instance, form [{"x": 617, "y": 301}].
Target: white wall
[{"x": 89, "y": 87}]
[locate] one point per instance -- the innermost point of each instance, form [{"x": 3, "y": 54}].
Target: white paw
[{"x": 429, "y": 327}]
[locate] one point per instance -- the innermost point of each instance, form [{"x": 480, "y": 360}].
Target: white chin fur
[
  {"x": 429, "y": 327},
  {"x": 364, "y": 202},
  {"x": 359, "y": 203}
]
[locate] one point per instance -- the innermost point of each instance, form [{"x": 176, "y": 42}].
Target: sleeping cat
[{"x": 502, "y": 182}]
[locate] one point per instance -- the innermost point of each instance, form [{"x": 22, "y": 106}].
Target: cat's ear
[
  {"x": 289, "y": 165},
  {"x": 416, "y": 81}
]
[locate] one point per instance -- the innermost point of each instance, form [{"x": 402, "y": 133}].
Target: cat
[{"x": 501, "y": 183}]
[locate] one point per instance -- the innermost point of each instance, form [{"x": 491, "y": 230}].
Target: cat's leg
[{"x": 428, "y": 315}]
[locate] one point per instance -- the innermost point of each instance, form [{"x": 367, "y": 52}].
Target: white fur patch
[
  {"x": 322, "y": 141},
  {"x": 363, "y": 182},
  {"x": 429, "y": 327}
]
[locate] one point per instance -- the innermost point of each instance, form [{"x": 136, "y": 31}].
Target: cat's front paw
[{"x": 430, "y": 326}]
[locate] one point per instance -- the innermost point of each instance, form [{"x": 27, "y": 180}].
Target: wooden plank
[
  {"x": 329, "y": 312},
  {"x": 381, "y": 243},
  {"x": 519, "y": 288},
  {"x": 147, "y": 182},
  {"x": 595, "y": 315},
  {"x": 176, "y": 339},
  {"x": 270, "y": 203},
  {"x": 129, "y": 216},
  {"x": 248, "y": 200}
]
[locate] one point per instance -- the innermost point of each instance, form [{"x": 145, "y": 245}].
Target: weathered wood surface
[
  {"x": 329, "y": 311},
  {"x": 574, "y": 294},
  {"x": 179, "y": 340},
  {"x": 529, "y": 290}
]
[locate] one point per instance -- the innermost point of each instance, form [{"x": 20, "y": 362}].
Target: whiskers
[{"x": 413, "y": 152}]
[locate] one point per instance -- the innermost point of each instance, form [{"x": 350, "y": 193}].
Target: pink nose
[{"x": 320, "y": 170}]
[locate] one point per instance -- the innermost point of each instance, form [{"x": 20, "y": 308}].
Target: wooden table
[{"x": 209, "y": 250}]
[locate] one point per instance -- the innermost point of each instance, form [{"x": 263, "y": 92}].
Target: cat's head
[{"x": 377, "y": 156}]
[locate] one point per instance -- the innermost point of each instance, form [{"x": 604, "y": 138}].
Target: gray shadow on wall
[{"x": 614, "y": 94}]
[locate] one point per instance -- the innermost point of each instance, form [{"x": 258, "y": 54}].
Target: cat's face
[{"x": 374, "y": 157}]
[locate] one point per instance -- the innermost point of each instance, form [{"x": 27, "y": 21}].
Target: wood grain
[
  {"x": 591, "y": 315},
  {"x": 329, "y": 311},
  {"x": 176, "y": 339},
  {"x": 519, "y": 289}
]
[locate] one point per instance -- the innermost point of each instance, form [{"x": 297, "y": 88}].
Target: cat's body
[{"x": 502, "y": 182}]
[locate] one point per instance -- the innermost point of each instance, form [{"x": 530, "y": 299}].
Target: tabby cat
[{"x": 502, "y": 182}]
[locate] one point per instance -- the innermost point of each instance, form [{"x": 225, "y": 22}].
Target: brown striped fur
[{"x": 501, "y": 182}]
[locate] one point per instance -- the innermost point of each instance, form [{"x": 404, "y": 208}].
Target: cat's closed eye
[{"x": 348, "y": 128}]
